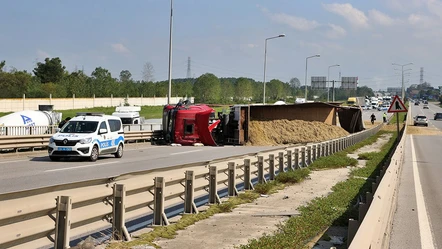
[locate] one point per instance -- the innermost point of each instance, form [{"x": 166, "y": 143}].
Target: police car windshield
[{"x": 80, "y": 127}]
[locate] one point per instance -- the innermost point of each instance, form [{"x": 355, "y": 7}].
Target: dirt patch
[
  {"x": 421, "y": 130},
  {"x": 392, "y": 127},
  {"x": 277, "y": 132}
]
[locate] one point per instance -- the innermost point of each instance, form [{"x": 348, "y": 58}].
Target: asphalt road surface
[
  {"x": 417, "y": 221},
  {"x": 38, "y": 171}
]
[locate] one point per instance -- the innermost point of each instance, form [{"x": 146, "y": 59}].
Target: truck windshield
[
  {"x": 80, "y": 127},
  {"x": 126, "y": 120}
]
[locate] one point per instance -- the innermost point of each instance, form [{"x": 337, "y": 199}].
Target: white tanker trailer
[{"x": 29, "y": 122}]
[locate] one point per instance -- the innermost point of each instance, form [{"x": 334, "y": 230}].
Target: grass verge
[
  {"x": 322, "y": 212},
  {"x": 282, "y": 180}
]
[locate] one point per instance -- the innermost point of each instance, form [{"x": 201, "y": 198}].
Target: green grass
[
  {"x": 168, "y": 232},
  {"x": 334, "y": 209},
  {"x": 375, "y": 159},
  {"x": 337, "y": 160}
]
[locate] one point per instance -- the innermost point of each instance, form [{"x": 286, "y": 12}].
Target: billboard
[
  {"x": 349, "y": 82},
  {"x": 319, "y": 82}
]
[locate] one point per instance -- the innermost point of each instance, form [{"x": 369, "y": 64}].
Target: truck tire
[
  {"x": 119, "y": 153},
  {"x": 94, "y": 154}
]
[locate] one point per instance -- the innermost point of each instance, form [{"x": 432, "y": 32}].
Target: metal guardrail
[
  {"x": 373, "y": 228},
  {"x": 55, "y": 216},
  {"x": 15, "y": 143},
  {"x": 50, "y": 129}
]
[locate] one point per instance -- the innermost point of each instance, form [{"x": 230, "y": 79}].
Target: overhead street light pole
[
  {"x": 402, "y": 66},
  {"x": 170, "y": 52},
  {"x": 305, "y": 82},
  {"x": 265, "y": 64},
  {"x": 328, "y": 81}
]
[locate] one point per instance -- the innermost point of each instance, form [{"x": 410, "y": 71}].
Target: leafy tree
[
  {"x": 227, "y": 90},
  {"x": 148, "y": 72},
  {"x": 102, "y": 83},
  {"x": 207, "y": 89},
  {"x": 125, "y": 75},
  {"x": 50, "y": 71},
  {"x": 15, "y": 84},
  {"x": 294, "y": 83},
  {"x": 275, "y": 89},
  {"x": 364, "y": 91},
  {"x": 243, "y": 89},
  {"x": 2, "y": 64}
]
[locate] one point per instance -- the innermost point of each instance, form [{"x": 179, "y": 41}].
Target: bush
[{"x": 293, "y": 176}]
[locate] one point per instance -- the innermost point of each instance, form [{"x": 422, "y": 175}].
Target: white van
[{"x": 88, "y": 135}]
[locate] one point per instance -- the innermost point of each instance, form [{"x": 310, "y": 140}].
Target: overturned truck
[{"x": 189, "y": 124}]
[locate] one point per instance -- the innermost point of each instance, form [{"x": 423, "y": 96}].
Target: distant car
[
  {"x": 426, "y": 106},
  {"x": 438, "y": 115},
  {"x": 421, "y": 120},
  {"x": 416, "y": 103},
  {"x": 383, "y": 108}
]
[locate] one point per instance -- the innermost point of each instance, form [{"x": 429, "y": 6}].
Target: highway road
[
  {"x": 417, "y": 221},
  {"x": 38, "y": 171}
]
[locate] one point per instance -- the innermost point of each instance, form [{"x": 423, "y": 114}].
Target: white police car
[{"x": 88, "y": 135}]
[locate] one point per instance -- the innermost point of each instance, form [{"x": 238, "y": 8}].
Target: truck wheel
[
  {"x": 94, "y": 154},
  {"x": 54, "y": 158},
  {"x": 119, "y": 152}
]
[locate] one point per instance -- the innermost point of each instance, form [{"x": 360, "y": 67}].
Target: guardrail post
[
  {"x": 323, "y": 150},
  {"x": 353, "y": 226},
  {"x": 247, "y": 175},
  {"x": 289, "y": 160},
  {"x": 261, "y": 178},
  {"x": 296, "y": 166},
  {"x": 63, "y": 222},
  {"x": 232, "y": 179},
  {"x": 272, "y": 167},
  {"x": 309, "y": 155},
  {"x": 189, "y": 198},
  {"x": 319, "y": 147},
  {"x": 303, "y": 161},
  {"x": 368, "y": 198},
  {"x": 281, "y": 162},
  {"x": 159, "y": 217},
  {"x": 314, "y": 153},
  {"x": 363, "y": 208},
  {"x": 213, "y": 183},
  {"x": 119, "y": 230}
]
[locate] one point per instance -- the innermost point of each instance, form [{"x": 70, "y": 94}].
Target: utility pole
[{"x": 170, "y": 52}]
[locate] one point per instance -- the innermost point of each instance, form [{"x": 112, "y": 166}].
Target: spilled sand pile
[{"x": 277, "y": 132}]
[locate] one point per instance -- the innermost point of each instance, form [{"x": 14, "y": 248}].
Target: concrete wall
[
  {"x": 308, "y": 112},
  {"x": 13, "y": 105}
]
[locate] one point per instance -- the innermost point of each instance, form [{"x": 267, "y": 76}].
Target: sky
[{"x": 227, "y": 37}]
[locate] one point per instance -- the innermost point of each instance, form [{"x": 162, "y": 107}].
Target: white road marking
[
  {"x": 16, "y": 161},
  {"x": 79, "y": 167},
  {"x": 184, "y": 152},
  {"x": 426, "y": 235}
]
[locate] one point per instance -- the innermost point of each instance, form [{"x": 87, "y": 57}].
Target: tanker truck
[{"x": 30, "y": 122}]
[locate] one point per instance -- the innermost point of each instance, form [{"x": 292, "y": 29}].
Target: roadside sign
[{"x": 397, "y": 105}]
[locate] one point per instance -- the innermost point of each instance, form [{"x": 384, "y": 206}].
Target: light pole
[
  {"x": 305, "y": 82},
  {"x": 328, "y": 81},
  {"x": 170, "y": 52},
  {"x": 265, "y": 64},
  {"x": 402, "y": 66}
]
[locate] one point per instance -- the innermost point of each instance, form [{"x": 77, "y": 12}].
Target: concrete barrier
[{"x": 373, "y": 228}]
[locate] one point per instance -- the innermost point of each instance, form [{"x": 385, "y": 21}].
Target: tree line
[{"x": 51, "y": 77}]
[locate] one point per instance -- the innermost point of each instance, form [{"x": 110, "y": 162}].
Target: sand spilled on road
[{"x": 277, "y": 132}]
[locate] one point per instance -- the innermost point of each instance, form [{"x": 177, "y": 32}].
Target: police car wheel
[
  {"x": 119, "y": 152},
  {"x": 94, "y": 154}
]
